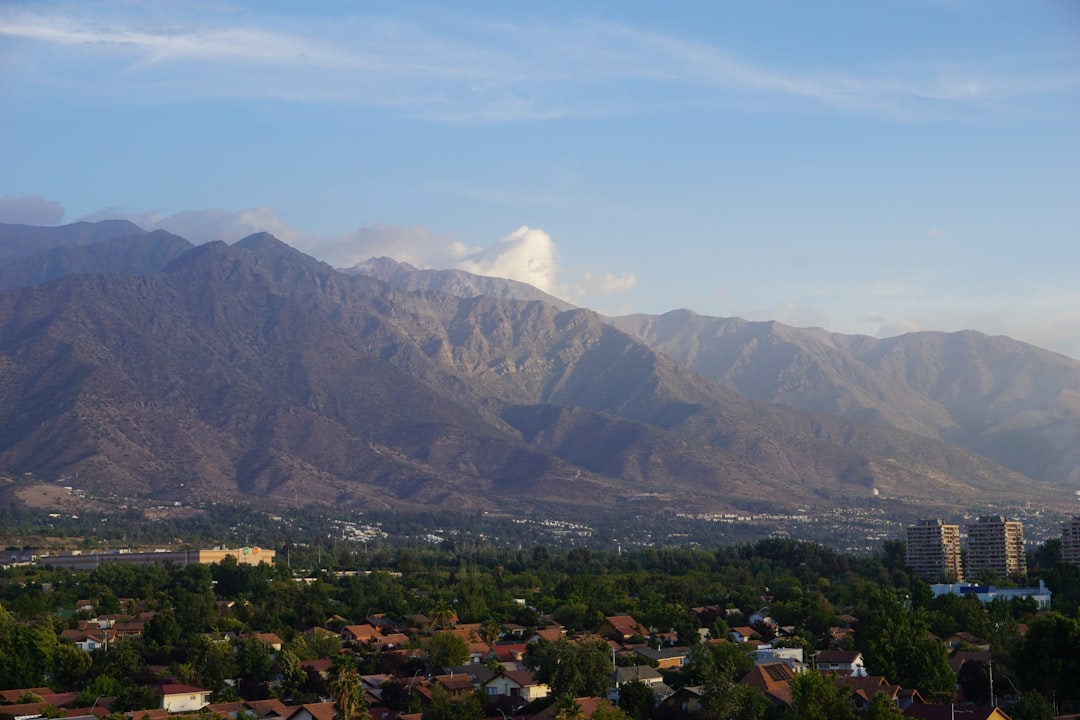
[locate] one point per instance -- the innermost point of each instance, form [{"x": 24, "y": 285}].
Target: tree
[
  {"x": 293, "y": 676},
  {"x": 443, "y": 708},
  {"x": 69, "y": 666},
  {"x": 818, "y": 697},
  {"x": 606, "y": 711},
  {"x": 896, "y": 645},
  {"x": 579, "y": 669},
  {"x": 636, "y": 699},
  {"x": 446, "y": 650},
  {"x": 347, "y": 689},
  {"x": 723, "y": 698},
  {"x": 133, "y": 698},
  {"x": 569, "y": 709},
  {"x": 1047, "y": 659},
  {"x": 882, "y": 708},
  {"x": 253, "y": 660},
  {"x": 1031, "y": 705}
]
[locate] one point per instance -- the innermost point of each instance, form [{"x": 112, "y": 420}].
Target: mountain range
[{"x": 135, "y": 365}]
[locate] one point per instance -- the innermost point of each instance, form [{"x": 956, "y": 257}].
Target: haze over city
[{"x": 868, "y": 168}]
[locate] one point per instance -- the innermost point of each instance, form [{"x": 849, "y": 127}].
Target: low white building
[
  {"x": 182, "y": 698},
  {"x": 988, "y": 593}
]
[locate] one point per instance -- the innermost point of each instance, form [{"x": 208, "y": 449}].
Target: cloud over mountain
[{"x": 30, "y": 210}]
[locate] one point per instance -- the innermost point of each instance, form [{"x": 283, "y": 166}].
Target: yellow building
[{"x": 244, "y": 556}]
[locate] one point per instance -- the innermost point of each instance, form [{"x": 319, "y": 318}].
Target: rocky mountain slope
[
  {"x": 1009, "y": 401},
  {"x": 1006, "y": 400},
  {"x": 253, "y": 371}
]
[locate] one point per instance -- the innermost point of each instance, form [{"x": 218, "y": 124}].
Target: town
[{"x": 769, "y": 629}]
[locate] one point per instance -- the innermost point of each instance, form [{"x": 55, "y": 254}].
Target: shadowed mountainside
[{"x": 254, "y": 371}]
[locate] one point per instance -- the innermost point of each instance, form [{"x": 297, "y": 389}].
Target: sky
[{"x": 866, "y": 167}]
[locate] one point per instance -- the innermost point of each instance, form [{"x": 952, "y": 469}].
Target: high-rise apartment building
[
  {"x": 994, "y": 543},
  {"x": 1070, "y": 541},
  {"x": 933, "y": 551}
]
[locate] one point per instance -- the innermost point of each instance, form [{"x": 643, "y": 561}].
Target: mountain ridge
[{"x": 255, "y": 372}]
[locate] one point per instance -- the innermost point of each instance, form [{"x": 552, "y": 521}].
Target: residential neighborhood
[{"x": 249, "y": 641}]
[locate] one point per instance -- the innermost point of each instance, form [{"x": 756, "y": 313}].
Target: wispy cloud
[{"x": 471, "y": 70}]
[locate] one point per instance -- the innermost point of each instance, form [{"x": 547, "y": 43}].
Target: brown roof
[
  {"x": 361, "y": 632},
  {"x": 320, "y": 665},
  {"x": 552, "y": 634},
  {"x": 177, "y": 689},
  {"x": 10, "y": 696},
  {"x": 588, "y": 705},
  {"x": 319, "y": 711},
  {"x": 773, "y": 679},
  {"x": 455, "y": 682},
  {"x": 840, "y": 657},
  {"x": 268, "y": 708}
]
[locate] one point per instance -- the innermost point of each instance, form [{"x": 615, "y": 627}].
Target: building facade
[
  {"x": 1070, "y": 541},
  {"x": 997, "y": 544},
  {"x": 933, "y": 550},
  {"x": 78, "y": 561}
]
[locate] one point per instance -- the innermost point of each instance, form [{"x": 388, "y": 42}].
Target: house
[
  {"x": 478, "y": 673},
  {"x": 683, "y": 702},
  {"x": 768, "y": 653},
  {"x": 12, "y": 696},
  {"x": 320, "y": 667},
  {"x": 509, "y": 652},
  {"x": 863, "y": 690},
  {"x": 261, "y": 709},
  {"x": 743, "y": 633},
  {"x": 927, "y": 711},
  {"x": 550, "y": 634},
  {"x": 842, "y": 662},
  {"x": 313, "y": 711},
  {"x": 182, "y": 698},
  {"x": 961, "y": 639},
  {"x": 642, "y": 673},
  {"x": 270, "y": 640},
  {"x": 665, "y": 658},
  {"x": 979, "y": 658},
  {"x": 774, "y": 680},
  {"x": 621, "y": 628},
  {"x": 359, "y": 633},
  {"x": 86, "y": 640},
  {"x": 516, "y": 684},
  {"x": 588, "y": 706},
  {"x": 646, "y": 674},
  {"x": 458, "y": 687}
]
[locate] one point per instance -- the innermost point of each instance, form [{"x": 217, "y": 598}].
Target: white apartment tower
[
  {"x": 994, "y": 543},
  {"x": 933, "y": 551}
]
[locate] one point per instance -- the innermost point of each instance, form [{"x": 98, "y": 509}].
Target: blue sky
[{"x": 870, "y": 168}]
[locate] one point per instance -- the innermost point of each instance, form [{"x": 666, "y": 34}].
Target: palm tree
[
  {"x": 489, "y": 633},
  {"x": 443, "y": 618},
  {"x": 347, "y": 690}
]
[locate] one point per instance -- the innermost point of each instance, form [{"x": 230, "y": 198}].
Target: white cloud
[
  {"x": 202, "y": 226},
  {"x": 527, "y": 255},
  {"x": 415, "y": 245},
  {"x": 30, "y": 210},
  {"x": 604, "y": 283},
  {"x": 467, "y": 69}
]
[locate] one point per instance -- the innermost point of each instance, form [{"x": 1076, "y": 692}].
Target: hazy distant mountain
[
  {"x": 28, "y": 240},
  {"x": 139, "y": 254},
  {"x": 1012, "y": 402},
  {"x": 254, "y": 371},
  {"x": 453, "y": 282}
]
